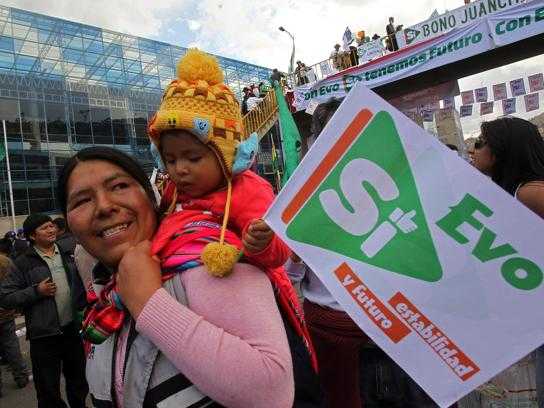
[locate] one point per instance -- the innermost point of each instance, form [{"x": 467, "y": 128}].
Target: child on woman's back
[
  {"x": 212, "y": 195},
  {"x": 198, "y": 131}
]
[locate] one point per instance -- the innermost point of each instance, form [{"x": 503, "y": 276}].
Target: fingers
[
  {"x": 260, "y": 235},
  {"x": 251, "y": 248},
  {"x": 256, "y": 238},
  {"x": 256, "y": 242},
  {"x": 259, "y": 225}
]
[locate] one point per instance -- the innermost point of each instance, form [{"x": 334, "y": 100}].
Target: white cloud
[
  {"x": 316, "y": 25},
  {"x": 193, "y": 25},
  {"x": 137, "y": 17}
]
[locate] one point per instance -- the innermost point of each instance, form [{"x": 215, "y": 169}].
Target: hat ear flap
[{"x": 246, "y": 152}]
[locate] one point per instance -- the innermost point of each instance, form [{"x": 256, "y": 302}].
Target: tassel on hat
[{"x": 220, "y": 257}]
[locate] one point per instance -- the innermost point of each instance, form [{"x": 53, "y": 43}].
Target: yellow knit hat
[{"x": 199, "y": 102}]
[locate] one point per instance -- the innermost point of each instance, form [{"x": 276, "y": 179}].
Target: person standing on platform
[{"x": 391, "y": 30}]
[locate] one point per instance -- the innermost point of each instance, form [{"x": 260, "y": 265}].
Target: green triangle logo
[{"x": 368, "y": 208}]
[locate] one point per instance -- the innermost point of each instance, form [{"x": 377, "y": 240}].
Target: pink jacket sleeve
[{"x": 231, "y": 343}]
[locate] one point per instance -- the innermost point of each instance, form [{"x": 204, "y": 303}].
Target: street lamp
[{"x": 292, "y": 61}]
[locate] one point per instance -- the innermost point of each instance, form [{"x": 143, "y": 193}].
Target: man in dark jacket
[
  {"x": 44, "y": 287},
  {"x": 65, "y": 238},
  {"x": 391, "y": 30}
]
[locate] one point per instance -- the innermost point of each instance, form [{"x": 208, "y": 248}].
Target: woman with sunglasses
[{"x": 511, "y": 152}]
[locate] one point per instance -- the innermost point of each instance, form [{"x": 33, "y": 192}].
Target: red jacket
[{"x": 251, "y": 197}]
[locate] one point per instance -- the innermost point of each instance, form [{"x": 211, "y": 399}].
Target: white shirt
[{"x": 311, "y": 287}]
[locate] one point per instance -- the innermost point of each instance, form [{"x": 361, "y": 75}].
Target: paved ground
[{"x": 20, "y": 398}]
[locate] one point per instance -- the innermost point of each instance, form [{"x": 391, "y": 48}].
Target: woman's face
[
  {"x": 107, "y": 210},
  {"x": 483, "y": 159}
]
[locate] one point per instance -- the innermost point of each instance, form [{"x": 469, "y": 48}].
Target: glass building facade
[{"x": 65, "y": 86}]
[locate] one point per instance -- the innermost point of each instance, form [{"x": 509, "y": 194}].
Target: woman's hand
[
  {"x": 257, "y": 237},
  {"x": 138, "y": 277}
]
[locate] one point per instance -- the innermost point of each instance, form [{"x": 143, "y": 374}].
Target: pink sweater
[{"x": 231, "y": 343}]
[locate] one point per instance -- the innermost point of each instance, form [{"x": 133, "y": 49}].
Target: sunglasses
[{"x": 479, "y": 143}]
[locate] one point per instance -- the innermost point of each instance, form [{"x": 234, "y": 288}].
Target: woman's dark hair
[
  {"x": 518, "y": 148},
  {"x": 111, "y": 155},
  {"x": 323, "y": 113}
]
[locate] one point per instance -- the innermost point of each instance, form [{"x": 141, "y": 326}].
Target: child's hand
[{"x": 257, "y": 237}]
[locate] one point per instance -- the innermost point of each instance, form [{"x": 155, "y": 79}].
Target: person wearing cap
[
  {"x": 42, "y": 288},
  {"x": 336, "y": 57}
]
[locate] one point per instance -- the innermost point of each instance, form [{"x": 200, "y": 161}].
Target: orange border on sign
[{"x": 328, "y": 162}]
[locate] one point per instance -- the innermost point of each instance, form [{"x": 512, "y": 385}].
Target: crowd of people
[
  {"x": 342, "y": 58},
  {"x": 252, "y": 95},
  {"x": 143, "y": 294}
]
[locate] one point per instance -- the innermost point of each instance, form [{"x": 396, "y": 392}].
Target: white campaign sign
[
  {"x": 437, "y": 264},
  {"x": 370, "y": 50}
]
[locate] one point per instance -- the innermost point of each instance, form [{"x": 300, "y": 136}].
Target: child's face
[{"x": 192, "y": 165}]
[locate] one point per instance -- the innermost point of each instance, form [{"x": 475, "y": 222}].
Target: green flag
[
  {"x": 289, "y": 136},
  {"x": 2, "y": 148}
]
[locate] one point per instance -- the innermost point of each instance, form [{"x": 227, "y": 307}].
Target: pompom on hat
[{"x": 199, "y": 102}]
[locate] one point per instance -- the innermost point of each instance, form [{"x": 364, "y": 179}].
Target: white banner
[
  {"x": 370, "y": 50},
  {"x": 509, "y": 106},
  {"x": 465, "y": 110},
  {"x": 499, "y": 91},
  {"x": 436, "y": 264},
  {"x": 481, "y": 94},
  {"x": 486, "y": 108},
  {"x": 517, "y": 23},
  {"x": 456, "y": 18},
  {"x": 449, "y": 102},
  {"x": 467, "y": 97},
  {"x": 532, "y": 102},
  {"x": 454, "y": 46},
  {"x": 326, "y": 68},
  {"x": 536, "y": 82},
  {"x": 517, "y": 87}
]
